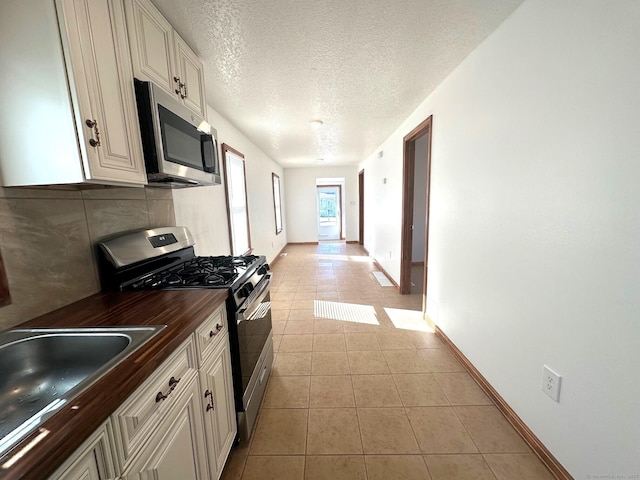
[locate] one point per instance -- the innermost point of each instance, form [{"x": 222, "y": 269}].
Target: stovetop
[
  {"x": 200, "y": 272},
  {"x": 164, "y": 258}
]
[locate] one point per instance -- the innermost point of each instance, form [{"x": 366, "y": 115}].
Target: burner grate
[
  {"x": 211, "y": 272},
  {"x": 230, "y": 261}
]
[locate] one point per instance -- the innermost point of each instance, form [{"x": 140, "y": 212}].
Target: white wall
[
  {"x": 204, "y": 211},
  {"x": 383, "y": 205},
  {"x": 533, "y": 255},
  {"x": 300, "y": 201}
]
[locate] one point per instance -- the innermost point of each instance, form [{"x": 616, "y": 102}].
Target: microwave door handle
[
  {"x": 203, "y": 142},
  {"x": 206, "y": 139}
]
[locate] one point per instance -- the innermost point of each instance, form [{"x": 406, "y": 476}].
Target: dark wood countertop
[{"x": 181, "y": 310}]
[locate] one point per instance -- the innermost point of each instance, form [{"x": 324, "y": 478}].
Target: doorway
[
  {"x": 361, "y": 207},
  {"x": 329, "y": 201},
  {"x": 415, "y": 210}
]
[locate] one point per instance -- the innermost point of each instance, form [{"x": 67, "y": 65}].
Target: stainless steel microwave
[{"x": 180, "y": 149}]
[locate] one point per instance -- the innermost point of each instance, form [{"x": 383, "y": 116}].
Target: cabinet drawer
[
  {"x": 139, "y": 416},
  {"x": 210, "y": 332}
]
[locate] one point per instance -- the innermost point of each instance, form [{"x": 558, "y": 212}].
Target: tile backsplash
[{"x": 48, "y": 240}]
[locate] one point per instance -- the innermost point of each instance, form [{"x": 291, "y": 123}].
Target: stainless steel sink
[{"x": 42, "y": 369}]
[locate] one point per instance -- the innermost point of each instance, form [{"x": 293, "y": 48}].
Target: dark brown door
[
  {"x": 361, "y": 207},
  {"x": 425, "y": 128}
]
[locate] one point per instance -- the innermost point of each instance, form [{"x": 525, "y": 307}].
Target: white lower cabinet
[
  {"x": 219, "y": 410},
  {"x": 177, "y": 450},
  {"x": 92, "y": 461},
  {"x": 142, "y": 418},
  {"x": 179, "y": 424}
]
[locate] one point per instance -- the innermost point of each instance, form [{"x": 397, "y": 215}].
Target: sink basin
[{"x": 42, "y": 369}]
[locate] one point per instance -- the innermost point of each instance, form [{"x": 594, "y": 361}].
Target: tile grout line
[{"x": 355, "y": 403}]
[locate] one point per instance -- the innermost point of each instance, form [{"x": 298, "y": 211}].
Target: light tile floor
[{"x": 362, "y": 389}]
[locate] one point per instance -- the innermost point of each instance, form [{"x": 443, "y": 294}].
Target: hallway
[{"x": 363, "y": 389}]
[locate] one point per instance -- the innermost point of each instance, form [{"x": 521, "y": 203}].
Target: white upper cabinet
[
  {"x": 69, "y": 112},
  {"x": 152, "y": 48},
  {"x": 161, "y": 56},
  {"x": 191, "y": 74},
  {"x": 106, "y": 110}
]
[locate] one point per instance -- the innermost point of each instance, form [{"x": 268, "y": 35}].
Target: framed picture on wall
[{"x": 277, "y": 202}]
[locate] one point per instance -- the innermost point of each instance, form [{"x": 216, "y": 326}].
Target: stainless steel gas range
[{"x": 164, "y": 258}]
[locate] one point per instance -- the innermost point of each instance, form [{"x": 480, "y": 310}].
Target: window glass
[
  {"x": 235, "y": 177},
  {"x": 277, "y": 202}
]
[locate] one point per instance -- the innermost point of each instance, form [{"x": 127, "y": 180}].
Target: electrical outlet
[{"x": 551, "y": 383}]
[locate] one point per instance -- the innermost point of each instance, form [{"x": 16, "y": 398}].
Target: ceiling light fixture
[{"x": 317, "y": 123}]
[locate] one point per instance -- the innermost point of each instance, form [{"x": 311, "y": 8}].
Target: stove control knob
[
  {"x": 245, "y": 291},
  {"x": 264, "y": 269}
]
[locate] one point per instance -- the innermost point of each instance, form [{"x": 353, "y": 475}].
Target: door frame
[
  {"x": 361, "y": 207},
  {"x": 408, "y": 169},
  {"x": 339, "y": 203}
]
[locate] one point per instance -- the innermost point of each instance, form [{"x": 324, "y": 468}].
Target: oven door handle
[{"x": 246, "y": 313}]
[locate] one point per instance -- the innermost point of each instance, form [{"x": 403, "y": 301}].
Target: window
[
  {"x": 235, "y": 181},
  {"x": 277, "y": 202}
]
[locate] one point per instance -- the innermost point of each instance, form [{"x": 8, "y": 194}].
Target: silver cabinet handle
[{"x": 93, "y": 124}]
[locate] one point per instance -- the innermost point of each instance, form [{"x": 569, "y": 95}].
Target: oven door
[{"x": 253, "y": 321}]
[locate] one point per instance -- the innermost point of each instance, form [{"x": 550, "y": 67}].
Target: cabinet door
[
  {"x": 191, "y": 73},
  {"x": 152, "y": 51},
  {"x": 92, "y": 460},
  {"x": 100, "y": 76},
  {"x": 220, "y": 421},
  {"x": 142, "y": 414},
  {"x": 85, "y": 469},
  {"x": 178, "y": 449}
]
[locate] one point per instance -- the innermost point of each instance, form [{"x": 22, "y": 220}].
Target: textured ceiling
[{"x": 361, "y": 66}]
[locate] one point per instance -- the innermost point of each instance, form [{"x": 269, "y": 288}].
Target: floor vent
[{"x": 382, "y": 279}]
